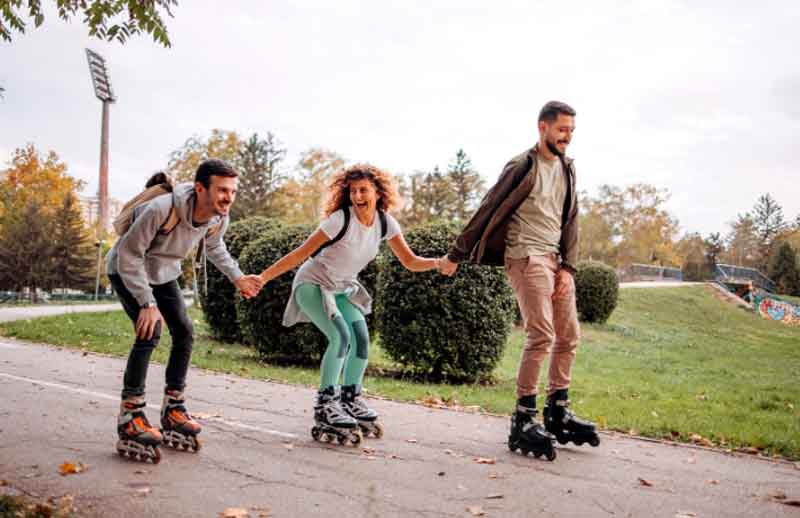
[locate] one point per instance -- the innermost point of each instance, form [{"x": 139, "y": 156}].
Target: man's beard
[{"x": 553, "y": 149}]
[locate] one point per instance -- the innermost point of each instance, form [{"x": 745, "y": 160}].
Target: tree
[
  {"x": 692, "y": 249},
  {"x": 300, "y": 199},
  {"x": 260, "y": 176},
  {"x": 597, "y": 234},
  {"x": 108, "y": 20},
  {"x": 26, "y": 249},
  {"x": 467, "y": 185},
  {"x": 742, "y": 241},
  {"x": 73, "y": 252},
  {"x": 784, "y": 271},
  {"x": 768, "y": 222},
  {"x": 225, "y": 145},
  {"x": 432, "y": 197}
]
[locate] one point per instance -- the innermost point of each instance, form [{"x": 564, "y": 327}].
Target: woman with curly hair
[{"x": 326, "y": 291}]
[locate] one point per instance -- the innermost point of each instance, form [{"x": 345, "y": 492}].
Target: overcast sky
[{"x": 701, "y": 98}]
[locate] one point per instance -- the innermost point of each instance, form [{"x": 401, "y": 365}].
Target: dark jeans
[{"x": 172, "y": 307}]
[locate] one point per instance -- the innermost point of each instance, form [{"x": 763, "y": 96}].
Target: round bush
[
  {"x": 260, "y": 319},
  {"x": 596, "y": 291},
  {"x": 437, "y": 327},
  {"x": 219, "y": 302}
]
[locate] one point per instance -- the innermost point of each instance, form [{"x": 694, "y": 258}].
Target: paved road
[
  {"x": 9, "y": 313},
  {"x": 60, "y": 405}
]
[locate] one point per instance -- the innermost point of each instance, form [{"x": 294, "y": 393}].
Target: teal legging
[{"x": 346, "y": 326}]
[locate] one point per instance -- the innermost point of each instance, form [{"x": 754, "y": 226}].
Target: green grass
[{"x": 670, "y": 363}]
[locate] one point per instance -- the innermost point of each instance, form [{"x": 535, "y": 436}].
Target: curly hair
[{"x": 339, "y": 189}]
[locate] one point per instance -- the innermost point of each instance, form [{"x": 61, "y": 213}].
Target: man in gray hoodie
[{"x": 143, "y": 267}]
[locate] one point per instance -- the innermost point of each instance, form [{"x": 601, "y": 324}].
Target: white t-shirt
[{"x": 360, "y": 244}]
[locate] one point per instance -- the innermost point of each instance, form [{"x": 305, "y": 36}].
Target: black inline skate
[
  {"x": 137, "y": 439},
  {"x": 529, "y": 436},
  {"x": 332, "y": 422},
  {"x": 177, "y": 426},
  {"x": 367, "y": 418},
  {"x": 565, "y": 425}
]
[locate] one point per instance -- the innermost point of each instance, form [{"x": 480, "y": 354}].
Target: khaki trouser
[{"x": 549, "y": 323}]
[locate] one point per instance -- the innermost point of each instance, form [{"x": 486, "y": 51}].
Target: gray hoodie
[{"x": 143, "y": 256}]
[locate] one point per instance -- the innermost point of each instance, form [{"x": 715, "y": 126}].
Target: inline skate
[
  {"x": 367, "y": 418},
  {"x": 137, "y": 439},
  {"x": 177, "y": 426},
  {"x": 565, "y": 425},
  {"x": 331, "y": 422}
]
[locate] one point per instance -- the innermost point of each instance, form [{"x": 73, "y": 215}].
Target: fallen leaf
[
  {"x": 476, "y": 510},
  {"x": 778, "y": 494},
  {"x": 792, "y": 503},
  {"x": 645, "y": 483},
  {"x": 289, "y": 446},
  {"x": 712, "y": 482},
  {"x": 685, "y": 514},
  {"x": 371, "y": 457},
  {"x": 748, "y": 450},
  {"x": 494, "y": 496},
  {"x": 234, "y": 512},
  {"x": 369, "y": 451},
  {"x": 493, "y": 474},
  {"x": 141, "y": 472},
  {"x": 483, "y": 460},
  {"x": 699, "y": 439},
  {"x": 393, "y": 456},
  {"x": 142, "y": 491},
  {"x": 68, "y": 468},
  {"x": 411, "y": 440},
  {"x": 441, "y": 473},
  {"x": 448, "y": 452}
]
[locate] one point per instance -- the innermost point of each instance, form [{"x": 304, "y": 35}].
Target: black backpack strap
[
  {"x": 338, "y": 236},
  {"x": 384, "y": 225}
]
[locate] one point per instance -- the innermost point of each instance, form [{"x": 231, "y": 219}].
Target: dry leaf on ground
[
  {"x": 476, "y": 510},
  {"x": 69, "y": 468},
  {"x": 645, "y": 483},
  {"x": 234, "y": 512},
  {"x": 685, "y": 514},
  {"x": 712, "y": 482},
  {"x": 483, "y": 460},
  {"x": 495, "y": 496},
  {"x": 412, "y": 441}
]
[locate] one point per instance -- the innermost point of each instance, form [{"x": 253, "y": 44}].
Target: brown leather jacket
[{"x": 483, "y": 240}]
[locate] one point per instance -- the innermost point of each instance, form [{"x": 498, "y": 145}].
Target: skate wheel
[
  {"x": 356, "y": 438},
  {"x": 156, "y": 455},
  {"x": 197, "y": 445},
  {"x": 578, "y": 443},
  {"x": 594, "y": 441},
  {"x": 562, "y": 440},
  {"x": 525, "y": 452},
  {"x": 537, "y": 454},
  {"x": 551, "y": 455},
  {"x": 378, "y": 431},
  {"x": 316, "y": 433}
]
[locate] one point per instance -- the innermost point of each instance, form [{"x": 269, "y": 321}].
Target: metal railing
[{"x": 733, "y": 273}]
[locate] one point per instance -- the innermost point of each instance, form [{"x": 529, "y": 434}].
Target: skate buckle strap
[{"x": 527, "y": 410}]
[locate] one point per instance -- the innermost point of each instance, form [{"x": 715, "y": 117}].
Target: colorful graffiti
[{"x": 776, "y": 309}]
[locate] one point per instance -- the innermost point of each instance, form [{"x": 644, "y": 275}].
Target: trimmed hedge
[
  {"x": 596, "y": 291},
  {"x": 219, "y": 309},
  {"x": 443, "y": 328},
  {"x": 260, "y": 319}
]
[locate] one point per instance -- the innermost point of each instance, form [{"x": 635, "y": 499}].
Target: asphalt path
[{"x": 59, "y": 406}]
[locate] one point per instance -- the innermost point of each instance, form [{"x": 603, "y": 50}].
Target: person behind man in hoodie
[
  {"x": 528, "y": 222},
  {"x": 143, "y": 267}
]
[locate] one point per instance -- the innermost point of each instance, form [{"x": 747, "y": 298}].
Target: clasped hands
[{"x": 249, "y": 285}]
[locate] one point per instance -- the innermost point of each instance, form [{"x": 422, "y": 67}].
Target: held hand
[
  {"x": 249, "y": 285},
  {"x": 564, "y": 284},
  {"x": 147, "y": 322},
  {"x": 447, "y": 267}
]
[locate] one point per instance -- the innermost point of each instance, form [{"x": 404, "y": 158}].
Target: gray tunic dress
[{"x": 335, "y": 270}]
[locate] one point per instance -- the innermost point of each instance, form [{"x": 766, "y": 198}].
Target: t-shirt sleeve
[
  {"x": 392, "y": 227},
  {"x": 333, "y": 224}
]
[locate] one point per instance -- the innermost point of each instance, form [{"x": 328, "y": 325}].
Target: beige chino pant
[{"x": 550, "y": 324}]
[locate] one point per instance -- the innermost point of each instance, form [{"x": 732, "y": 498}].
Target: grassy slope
[{"x": 671, "y": 362}]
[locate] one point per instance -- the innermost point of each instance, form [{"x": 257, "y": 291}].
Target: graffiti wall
[{"x": 780, "y": 310}]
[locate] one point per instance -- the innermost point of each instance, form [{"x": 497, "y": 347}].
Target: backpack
[
  {"x": 340, "y": 235},
  {"x": 157, "y": 185}
]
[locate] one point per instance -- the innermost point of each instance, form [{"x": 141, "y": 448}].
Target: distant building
[{"x": 90, "y": 207}]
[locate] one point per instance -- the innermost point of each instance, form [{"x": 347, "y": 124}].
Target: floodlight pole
[{"x": 104, "y": 92}]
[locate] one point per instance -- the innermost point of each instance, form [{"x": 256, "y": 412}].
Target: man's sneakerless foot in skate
[
  {"x": 527, "y": 434},
  {"x": 177, "y": 426},
  {"x": 137, "y": 439},
  {"x": 354, "y": 405},
  {"x": 565, "y": 425},
  {"x": 332, "y": 422}
]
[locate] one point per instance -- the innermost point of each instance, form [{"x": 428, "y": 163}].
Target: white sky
[{"x": 702, "y": 98}]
